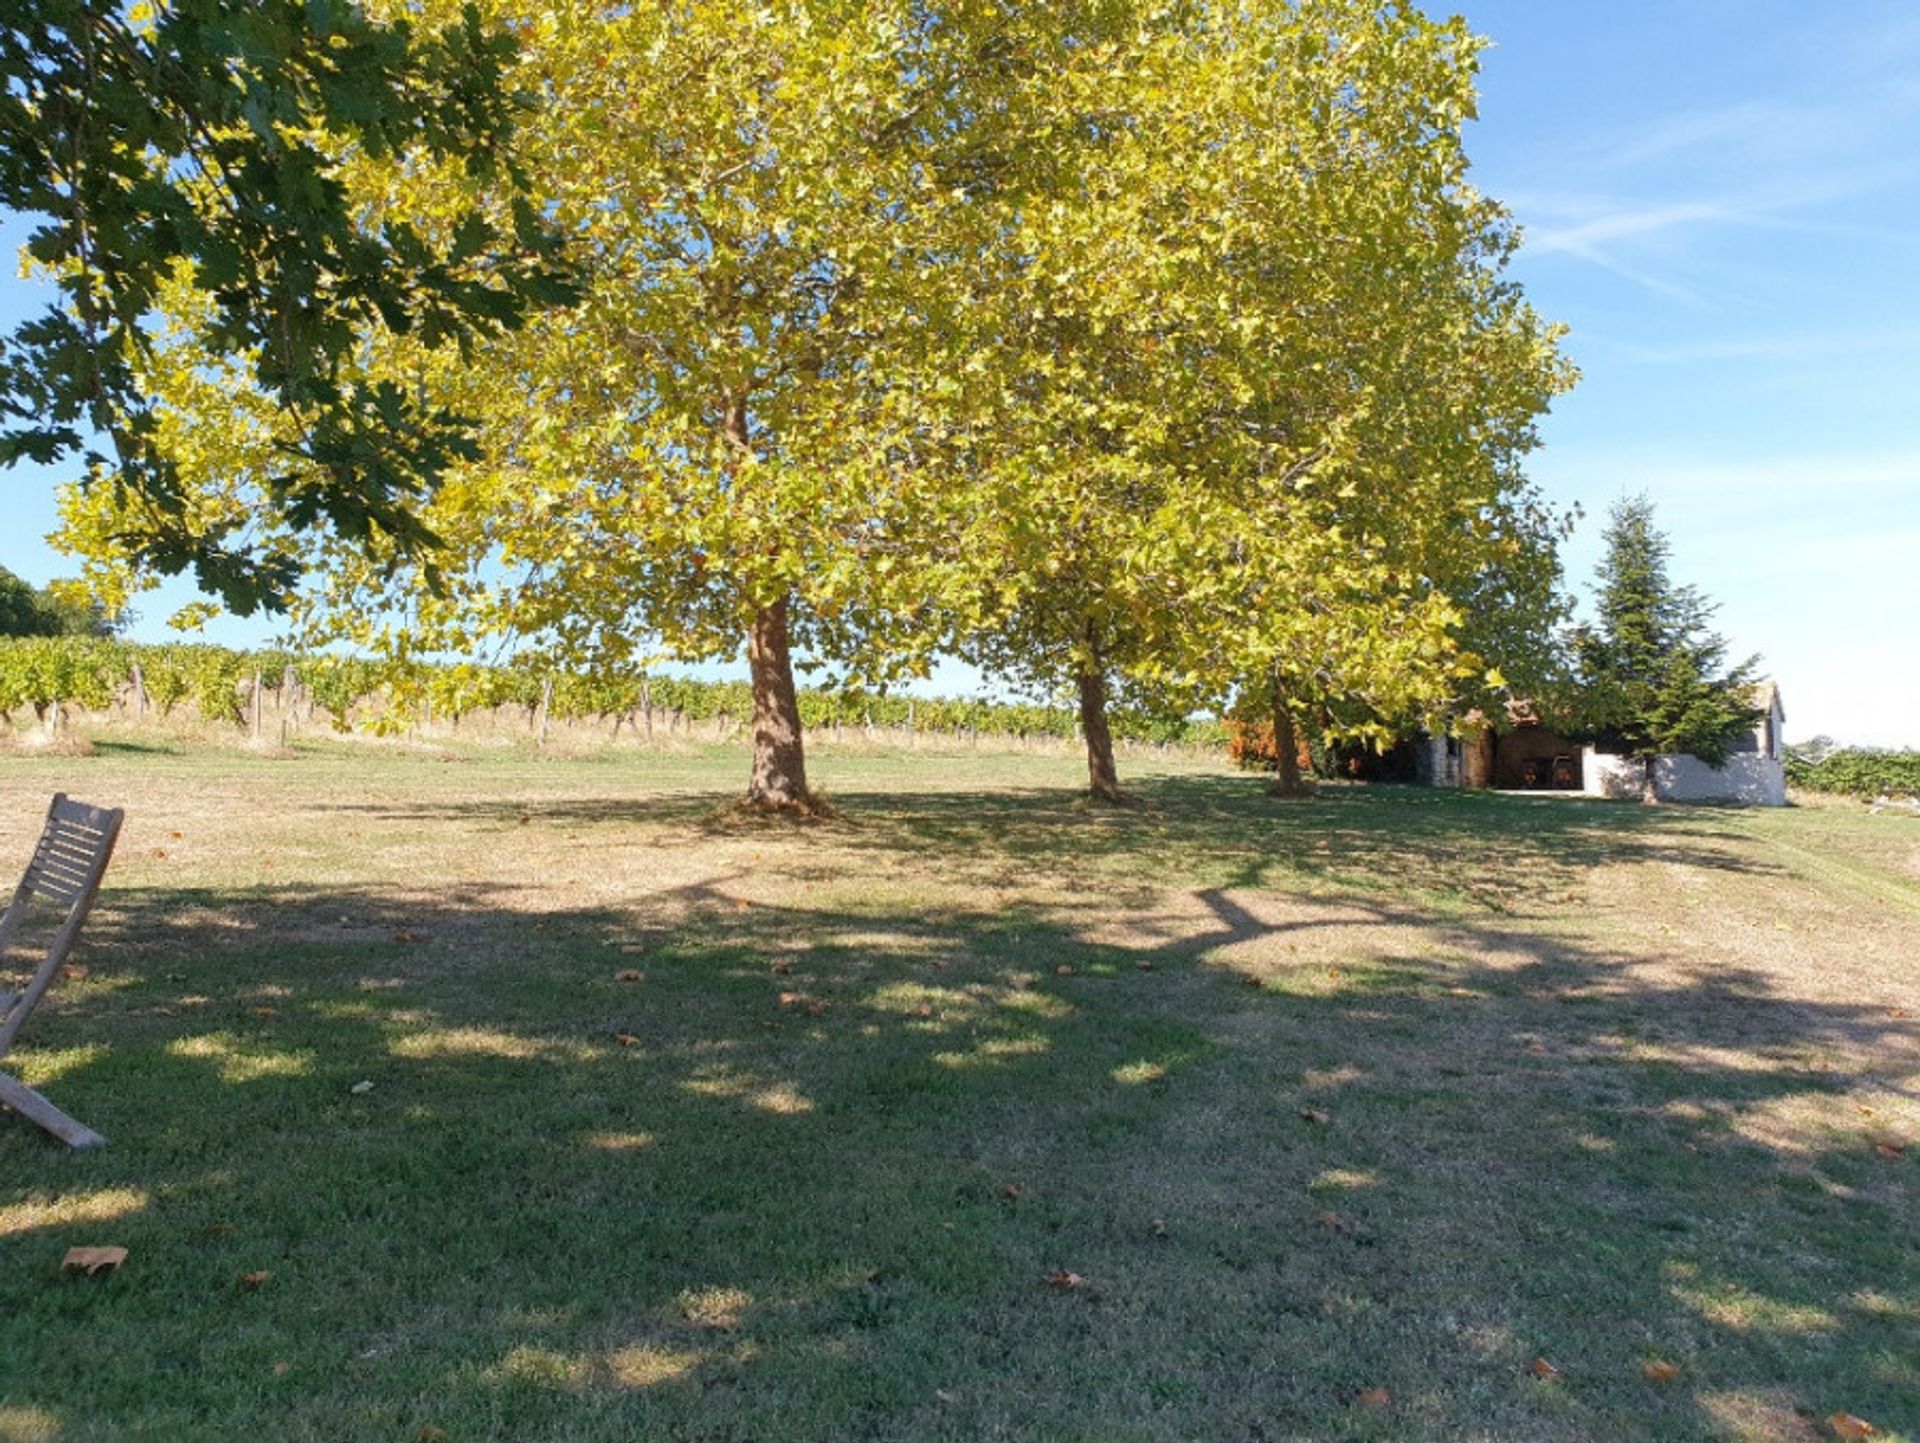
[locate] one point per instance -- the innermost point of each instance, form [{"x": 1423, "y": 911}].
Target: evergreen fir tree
[{"x": 1652, "y": 668}]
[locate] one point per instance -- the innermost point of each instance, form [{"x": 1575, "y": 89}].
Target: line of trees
[
  {"x": 56, "y": 610},
  {"x": 1164, "y": 354}
]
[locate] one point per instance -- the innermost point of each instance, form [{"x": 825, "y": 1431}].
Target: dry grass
[{"x": 1385, "y": 1089}]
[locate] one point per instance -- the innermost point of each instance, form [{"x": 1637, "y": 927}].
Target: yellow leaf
[{"x": 93, "y": 1261}]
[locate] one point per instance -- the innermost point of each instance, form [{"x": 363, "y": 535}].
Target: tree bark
[
  {"x": 1287, "y": 781},
  {"x": 779, "y": 780},
  {"x": 1103, "y": 778}
]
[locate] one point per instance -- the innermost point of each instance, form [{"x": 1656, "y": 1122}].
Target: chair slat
[{"x": 66, "y": 867}]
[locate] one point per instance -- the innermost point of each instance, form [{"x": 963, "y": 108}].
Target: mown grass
[{"x": 1388, "y": 1089}]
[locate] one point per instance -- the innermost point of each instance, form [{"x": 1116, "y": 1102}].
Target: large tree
[
  {"x": 1653, "y": 672},
  {"x": 203, "y": 138},
  {"x": 1271, "y": 389},
  {"x": 752, "y": 428}
]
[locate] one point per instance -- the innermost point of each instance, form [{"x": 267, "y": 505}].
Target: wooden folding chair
[{"x": 66, "y": 870}]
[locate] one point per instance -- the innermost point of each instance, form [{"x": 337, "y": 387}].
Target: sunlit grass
[{"x": 1519, "y": 1080}]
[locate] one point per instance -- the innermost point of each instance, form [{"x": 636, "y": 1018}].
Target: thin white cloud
[
  {"x": 1768, "y": 348},
  {"x": 1585, "y": 238}
]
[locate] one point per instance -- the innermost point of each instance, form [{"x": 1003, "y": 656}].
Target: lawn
[{"x": 972, "y": 1113}]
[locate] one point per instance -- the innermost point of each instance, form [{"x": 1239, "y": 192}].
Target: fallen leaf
[
  {"x": 1845, "y": 1425},
  {"x": 174, "y": 835},
  {"x": 815, "y": 1009},
  {"x": 782, "y": 968},
  {"x": 253, "y": 1282},
  {"x": 404, "y": 935},
  {"x": 361, "y": 1089},
  {"x": 1374, "y": 1398},
  {"x": 1333, "y": 1222},
  {"x": 1541, "y": 1368},
  {"x": 1892, "y": 1151},
  {"x": 1249, "y": 980},
  {"x": 1659, "y": 1370},
  {"x": 626, "y": 1039},
  {"x": 791, "y": 999},
  {"x": 1315, "y": 1116},
  {"x": 220, "y": 1230},
  {"x": 741, "y": 904},
  {"x": 630, "y": 974},
  {"x": 525, "y": 818},
  {"x": 1538, "y": 1049},
  {"x": 923, "y": 1010},
  {"x": 264, "y": 1011},
  {"x": 1144, "y": 965},
  {"x": 74, "y": 970},
  {"x": 1011, "y": 1192},
  {"x": 1066, "y": 969},
  {"x": 1064, "y": 1279},
  {"x": 93, "y": 1261},
  {"x": 160, "y": 851},
  {"x": 280, "y": 1370}
]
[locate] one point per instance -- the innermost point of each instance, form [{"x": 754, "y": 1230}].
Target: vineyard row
[{"x": 218, "y": 682}]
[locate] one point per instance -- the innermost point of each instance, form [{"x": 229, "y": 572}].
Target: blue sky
[{"x": 1723, "y": 202}]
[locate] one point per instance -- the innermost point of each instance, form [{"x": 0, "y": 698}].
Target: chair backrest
[{"x": 71, "y": 858}]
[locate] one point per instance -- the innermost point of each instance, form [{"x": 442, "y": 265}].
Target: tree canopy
[
  {"x": 1271, "y": 390},
  {"x": 56, "y": 610},
  {"x": 1129, "y": 347},
  {"x": 202, "y": 139}
]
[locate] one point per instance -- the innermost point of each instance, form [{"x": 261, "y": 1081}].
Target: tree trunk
[
  {"x": 779, "y": 781},
  {"x": 1287, "y": 781},
  {"x": 1103, "y": 779}
]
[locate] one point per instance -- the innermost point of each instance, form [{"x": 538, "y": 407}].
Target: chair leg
[{"x": 35, "y": 1108}]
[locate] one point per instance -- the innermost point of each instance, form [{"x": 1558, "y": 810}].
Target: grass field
[{"x": 974, "y": 1113}]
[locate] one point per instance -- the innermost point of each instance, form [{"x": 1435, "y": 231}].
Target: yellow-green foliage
[
  {"x": 82, "y": 671},
  {"x": 1165, "y": 341}
]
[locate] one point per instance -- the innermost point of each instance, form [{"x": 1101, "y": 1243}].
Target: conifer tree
[{"x": 1652, "y": 668}]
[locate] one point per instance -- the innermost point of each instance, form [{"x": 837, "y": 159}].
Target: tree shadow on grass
[
  {"x": 809, "y": 1178},
  {"x": 1499, "y": 852}
]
